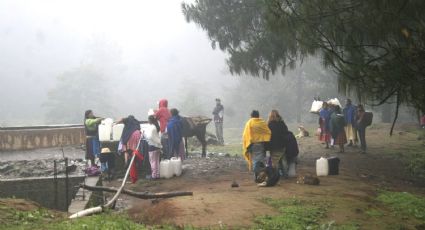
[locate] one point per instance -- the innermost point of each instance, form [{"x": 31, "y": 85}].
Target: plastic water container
[
  {"x": 176, "y": 165},
  {"x": 322, "y": 167},
  {"x": 105, "y": 131},
  {"x": 117, "y": 131},
  {"x": 165, "y": 169},
  {"x": 291, "y": 170}
]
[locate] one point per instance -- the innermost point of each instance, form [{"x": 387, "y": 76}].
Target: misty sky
[{"x": 40, "y": 40}]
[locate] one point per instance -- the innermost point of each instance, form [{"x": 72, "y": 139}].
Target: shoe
[{"x": 262, "y": 184}]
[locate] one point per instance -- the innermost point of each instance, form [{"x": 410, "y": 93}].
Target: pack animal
[{"x": 196, "y": 127}]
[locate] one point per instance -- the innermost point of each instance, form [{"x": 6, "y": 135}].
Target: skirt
[{"x": 340, "y": 139}]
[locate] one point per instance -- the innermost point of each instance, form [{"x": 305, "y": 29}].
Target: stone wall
[
  {"x": 44, "y": 191},
  {"x": 27, "y": 138}
]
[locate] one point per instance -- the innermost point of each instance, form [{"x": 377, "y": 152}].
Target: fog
[{"x": 59, "y": 58}]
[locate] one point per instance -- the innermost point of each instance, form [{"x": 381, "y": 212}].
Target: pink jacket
[{"x": 163, "y": 114}]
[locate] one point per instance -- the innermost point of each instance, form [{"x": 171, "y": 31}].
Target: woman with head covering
[
  {"x": 337, "y": 128},
  {"x": 131, "y": 136},
  {"x": 175, "y": 134}
]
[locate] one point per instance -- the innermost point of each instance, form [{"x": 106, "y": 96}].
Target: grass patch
[
  {"x": 101, "y": 221},
  {"x": 404, "y": 204},
  {"x": 374, "y": 213},
  {"x": 294, "y": 214}
]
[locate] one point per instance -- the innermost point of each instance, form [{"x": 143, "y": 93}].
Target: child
[{"x": 154, "y": 142}]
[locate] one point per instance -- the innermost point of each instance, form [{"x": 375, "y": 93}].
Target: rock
[
  {"x": 5, "y": 168},
  {"x": 234, "y": 184}
]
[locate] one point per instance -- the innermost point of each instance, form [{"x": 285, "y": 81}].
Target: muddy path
[{"x": 216, "y": 204}]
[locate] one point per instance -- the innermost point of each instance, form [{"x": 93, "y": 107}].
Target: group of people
[
  {"x": 268, "y": 147},
  {"x": 339, "y": 127},
  {"x": 163, "y": 133}
]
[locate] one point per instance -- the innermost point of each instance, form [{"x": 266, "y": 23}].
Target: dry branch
[{"x": 141, "y": 195}]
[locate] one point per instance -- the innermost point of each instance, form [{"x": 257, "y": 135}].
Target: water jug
[
  {"x": 291, "y": 170},
  {"x": 105, "y": 131},
  {"x": 322, "y": 167},
  {"x": 165, "y": 170},
  {"x": 117, "y": 131},
  {"x": 176, "y": 165}
]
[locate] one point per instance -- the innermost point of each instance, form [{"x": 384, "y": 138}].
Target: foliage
[
  {"x": 76, "y": 91},
  {"x": 376, "y": 47},
  {"x": 404, "y": 203},
  {"x": 290, "y": 94}
]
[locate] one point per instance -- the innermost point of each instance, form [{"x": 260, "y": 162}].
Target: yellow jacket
[{"x": 256, "y": 130}]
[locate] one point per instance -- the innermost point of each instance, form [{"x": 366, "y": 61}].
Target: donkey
[{"x": 196, "y": 126}]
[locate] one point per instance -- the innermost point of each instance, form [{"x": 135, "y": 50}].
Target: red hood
[{"x": 163, "y": 103}]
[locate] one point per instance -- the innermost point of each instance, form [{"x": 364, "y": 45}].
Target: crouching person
[
  {"x": 107, "y": 163},
  {"x": 255, "y": 136}
]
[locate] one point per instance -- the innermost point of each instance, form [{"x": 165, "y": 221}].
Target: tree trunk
[{"x": 299, "y": 96}]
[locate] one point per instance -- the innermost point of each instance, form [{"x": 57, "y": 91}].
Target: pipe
[{"x": 99, "y": 209}]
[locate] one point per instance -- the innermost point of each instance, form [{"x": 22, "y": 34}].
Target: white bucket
[{"x": 322, "y": 167}]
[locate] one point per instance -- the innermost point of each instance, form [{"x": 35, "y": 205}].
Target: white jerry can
[
  {"x": 322, "y": 167},
  {"x": 165, "y": 170},
  {"x": 117, "y": 131},
  {"x": 176, "y": 165}
]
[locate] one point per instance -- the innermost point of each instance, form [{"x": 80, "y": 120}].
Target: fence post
[
  {"x": 55, "y": 181},
  {"x": 66, "y": 183}
]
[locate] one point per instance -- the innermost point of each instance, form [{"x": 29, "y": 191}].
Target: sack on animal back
[
  {"x": 316, "y": 106},
  {"x": 367, "y": 119}
]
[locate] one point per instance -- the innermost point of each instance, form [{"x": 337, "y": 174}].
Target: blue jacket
[
  {"x": 350, "y": 114},
  {"x": 175, "y": 133}
]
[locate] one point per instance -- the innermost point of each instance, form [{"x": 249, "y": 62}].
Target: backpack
[
  {"x": 291, "y": 150},
  {"x": 367, "y": 119}
]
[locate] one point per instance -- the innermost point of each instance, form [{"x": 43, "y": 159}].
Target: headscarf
[{"x": 131, "y": 124}]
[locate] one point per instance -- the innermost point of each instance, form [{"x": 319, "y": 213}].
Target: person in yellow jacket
[{"x": 255, "y": 136}]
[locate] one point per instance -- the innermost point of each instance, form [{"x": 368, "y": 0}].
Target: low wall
[
  {"x": 43, "y": 190},
  {"x": 27, "y": 138}
]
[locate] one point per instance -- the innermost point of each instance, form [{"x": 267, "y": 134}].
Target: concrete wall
[
  {"x": 42, "y": 190},
  {"x": 27, "y": 138}
]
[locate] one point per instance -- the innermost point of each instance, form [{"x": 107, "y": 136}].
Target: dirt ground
[{"x": 216, "y": 204}]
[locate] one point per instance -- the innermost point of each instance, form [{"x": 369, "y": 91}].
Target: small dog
[
  {"x": 303, "y": 132},
  {"x": 308, "y": 179}
]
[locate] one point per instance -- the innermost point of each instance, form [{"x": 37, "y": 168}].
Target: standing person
[
  {"x": 130, "y": 136},
  {"x": 337, "y": 128},
  {"x": 163, "y": 115},
  {"x": 175, "y": 135},
  {"x": 361, "y": 127},
  {"x": 218, "y": 113},
  {"x": 324, "y": 121},
  {"x": 350, "y": 122},
  {"x": 277, "y": 144},
  {"x": 255, "y": 136},
  {"x": 154, "y": 143},
  {"x": 91, "y": 127}
]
